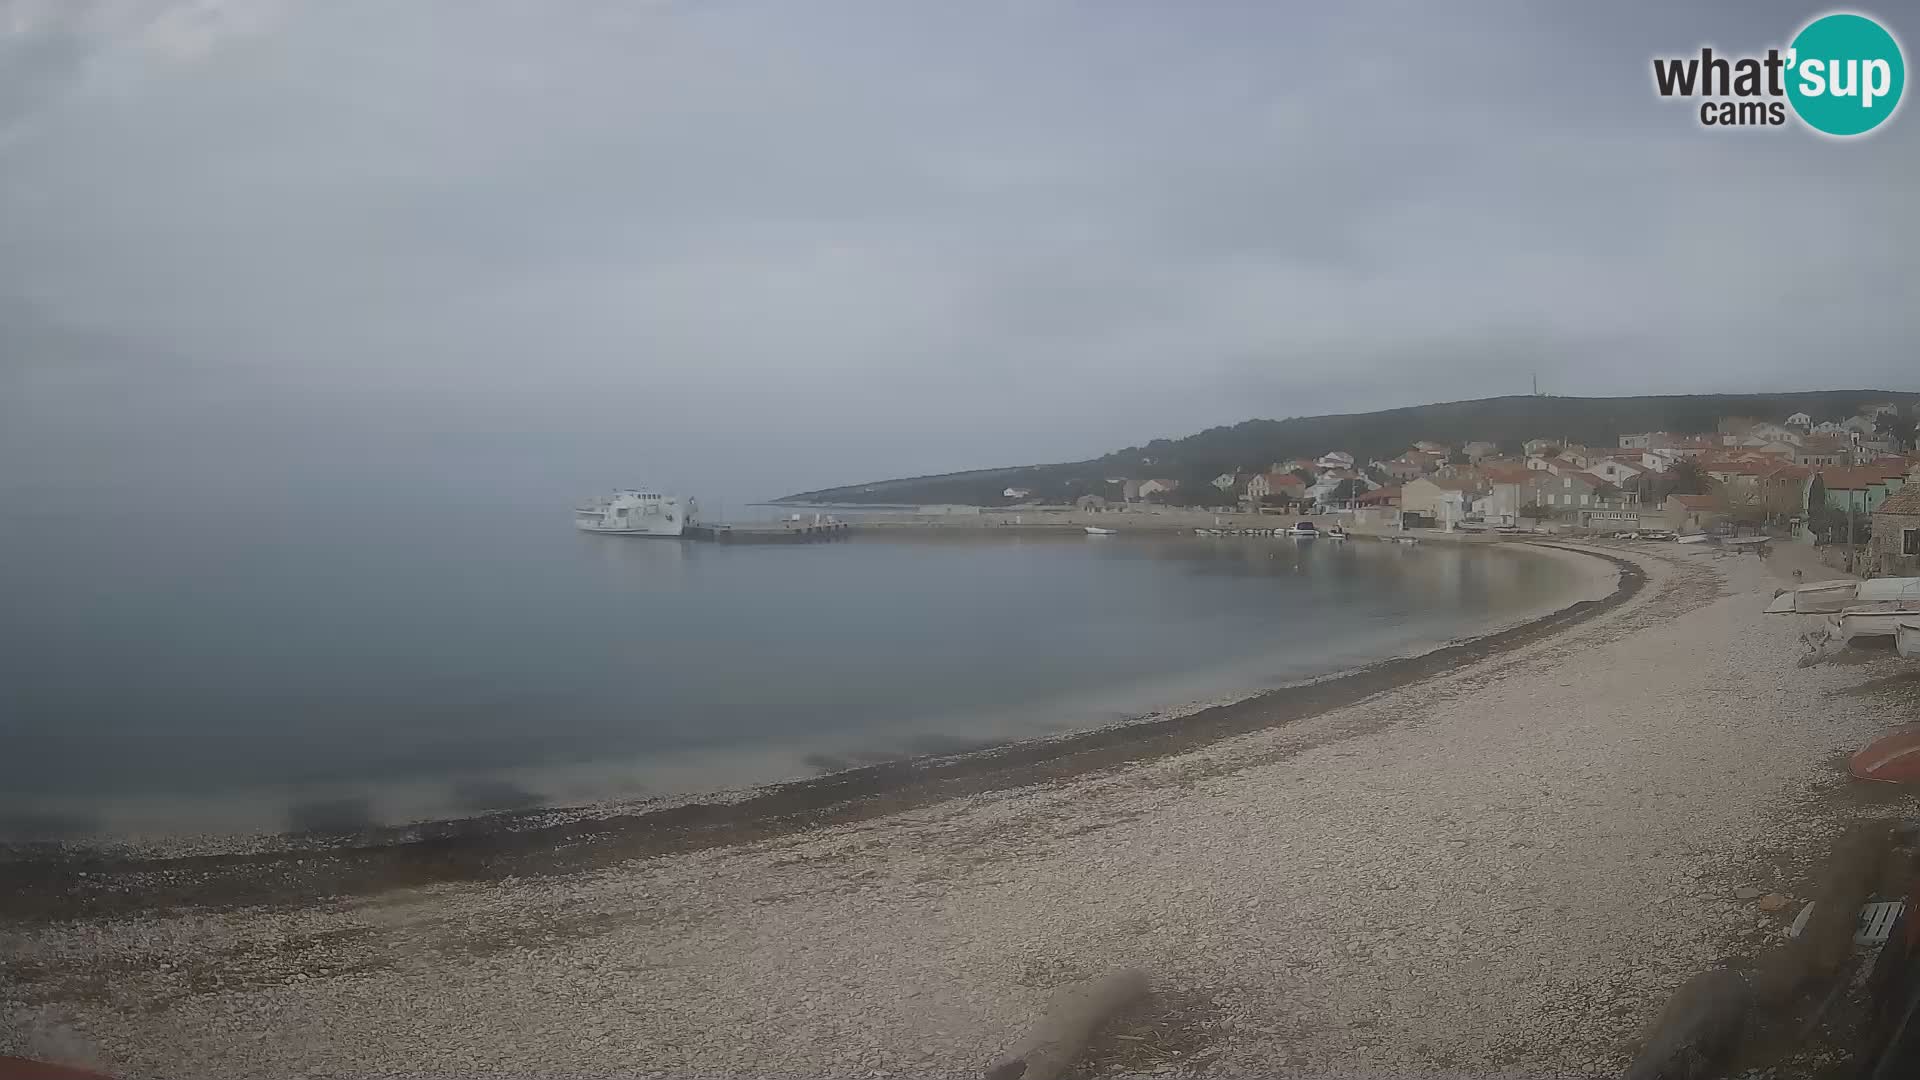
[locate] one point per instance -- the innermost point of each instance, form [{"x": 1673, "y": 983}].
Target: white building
[
  {"x": 1617, "y": 470},
  {"x": 1760, "y": 434},
  {"x": 1800, "y": 420}
]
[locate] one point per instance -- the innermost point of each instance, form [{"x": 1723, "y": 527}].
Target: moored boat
[
  {"x": 1336, "y": 533},
  {"x": 1095, "y": 530},
  {"x": 1303, "y": 529}
]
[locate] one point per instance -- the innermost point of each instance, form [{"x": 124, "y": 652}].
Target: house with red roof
[
  {"x": 1269, "y": 485},
  {"x": 1861, "y": 489}
]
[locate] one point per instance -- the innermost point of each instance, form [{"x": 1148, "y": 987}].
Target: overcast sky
[{"x": 762, "y": 246}]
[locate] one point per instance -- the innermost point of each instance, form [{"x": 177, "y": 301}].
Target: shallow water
[{"x": 334, "y": 677}]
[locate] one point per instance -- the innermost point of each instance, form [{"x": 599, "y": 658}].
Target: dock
[{"x": 771, "y": 532}]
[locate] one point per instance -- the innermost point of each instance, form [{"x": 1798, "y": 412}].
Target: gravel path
[{"x": 1505, "y": 868}]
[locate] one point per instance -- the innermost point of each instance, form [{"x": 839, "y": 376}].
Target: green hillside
[{"x": 1256, "y": 443}]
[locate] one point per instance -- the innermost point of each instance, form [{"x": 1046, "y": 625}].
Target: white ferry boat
[{"x": 637, "y": 512}]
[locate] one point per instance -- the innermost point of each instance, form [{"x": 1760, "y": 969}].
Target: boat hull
[
  {"x": 1881, "y": 619},
  {"x": 1906, "y": 638},
  {"x": 1817, "y": 598},
  {"x": 1889, "y": 588}
]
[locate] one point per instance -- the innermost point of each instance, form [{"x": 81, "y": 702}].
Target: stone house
[
  {"x": 1894, "y": 549},
  {"x": 1157, "y": 487},
  {"x": 1445, "y": 500},
  {"x": 1271, "y": 484},
  {"x": 1692, "y": 512}
]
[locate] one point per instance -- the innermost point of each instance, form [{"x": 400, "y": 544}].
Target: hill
[{"x": 1255, "y": 443}]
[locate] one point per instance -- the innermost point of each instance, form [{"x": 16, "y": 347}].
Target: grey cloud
[{"x": 883, "y": 238}]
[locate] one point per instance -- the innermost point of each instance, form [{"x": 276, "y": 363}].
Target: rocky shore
[{"x": 1502, "y": 861}]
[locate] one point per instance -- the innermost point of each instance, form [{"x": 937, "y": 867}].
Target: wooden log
[{"x": 1062, "y": 1031}]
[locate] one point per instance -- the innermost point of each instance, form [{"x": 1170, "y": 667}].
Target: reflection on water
[{"x": 530, "y": 665}]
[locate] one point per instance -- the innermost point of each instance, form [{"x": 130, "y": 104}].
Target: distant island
[{"x": 1507, "y": 422}]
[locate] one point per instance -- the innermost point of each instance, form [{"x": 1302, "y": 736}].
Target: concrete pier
[{"x": 772, "y": 532}]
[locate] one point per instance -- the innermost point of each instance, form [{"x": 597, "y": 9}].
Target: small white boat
[
  {"x": 1879, "y": 618},
  {"x": 1303, "y": 529},
  {"x": 1815, "y": 598},
  {"x": 1692, "y": 538},
  {"x": 1095, "y": 530},
  {"x": 1906, "y": 638},
  {"x": 1336, "y": 533},
  {"x": 1404, "y": 539},
  {"x": 1889, "y": 588}
]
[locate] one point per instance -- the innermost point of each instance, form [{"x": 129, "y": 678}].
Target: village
[{"x": 1833, "y": 483}]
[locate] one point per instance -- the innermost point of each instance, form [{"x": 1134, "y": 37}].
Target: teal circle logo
[{"x": 1845, "y": 74}]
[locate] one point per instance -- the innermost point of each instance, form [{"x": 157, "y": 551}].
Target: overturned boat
[
  {"x": 1832, "y": 597},
  {"x": 1814, "y": 598}
]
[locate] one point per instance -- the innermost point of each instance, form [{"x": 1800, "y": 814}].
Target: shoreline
[
  {"x": 1510, "y": 865},
  {"x": 52, "y": 881}
]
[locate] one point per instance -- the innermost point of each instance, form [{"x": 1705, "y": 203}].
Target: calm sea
[{"x": 300, "y": 674}]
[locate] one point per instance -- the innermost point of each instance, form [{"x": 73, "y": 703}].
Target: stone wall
[{"x": 1887, "y": 558}]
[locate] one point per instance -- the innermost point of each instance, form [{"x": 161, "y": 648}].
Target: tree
[
  {"x": 1459, "y": 457},
  {"x": 1897, "y": 426},
  {"x": 1306, "y": 476},
  {"x": 1535, "y": 512},
  {"x": 1376, "y": 474},
  {"x": 1686, "y": 478},
  {"x": 1348, "y": 489}
]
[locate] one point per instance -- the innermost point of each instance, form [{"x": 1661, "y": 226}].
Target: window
[
  {"x": 1910, "y": 541},
  {"x": 1583, "y": 500}
]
